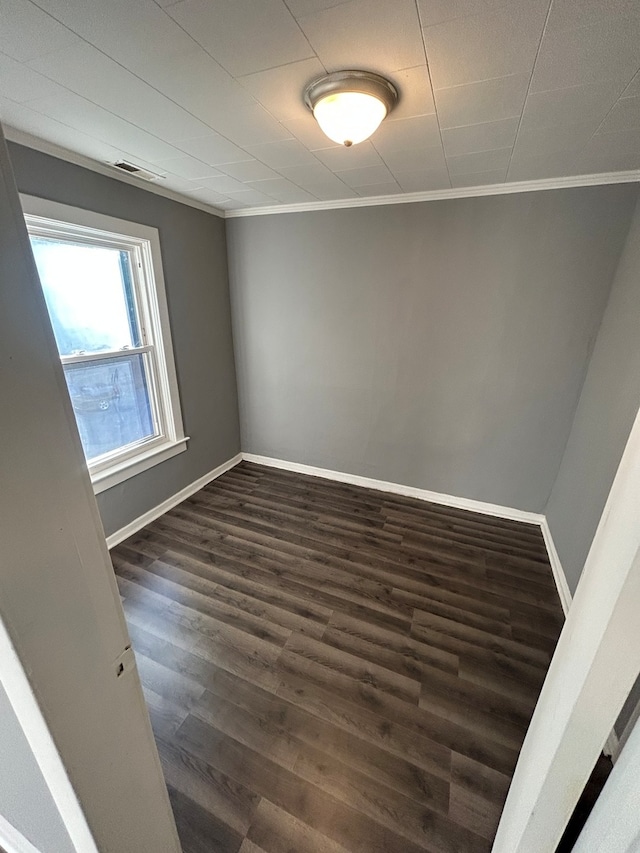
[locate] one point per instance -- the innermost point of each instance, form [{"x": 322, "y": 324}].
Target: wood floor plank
[
  {"x": 249, "y": 847},
  {"x": 495, "y": 747},
  {"x": 403, "y": 816},
  {"x": 200, "y": 831},
  {"x": 536, "y": 586},
  {"x": 256, "y": 663},
  {"x": 535, "y": 640},
  {"x": 204, "y": 658},
  {"x": 401, "y": 686},
  {"x": 536, "y": 621},
  {"x": 380, "y": 555},
  {"x": 310, "y": 574},
  {"x": 233, "y": 803},
  {"x": 165, "y": 682},
  {"x": 464, "y": 545},
  {"x": 361, "y": 562},
  {"x": 262, "y": 619},
  {"x": 303, "y": 555},
  {"x": 478, "y": 778},
  {"x": 167, "y": 715},
  {"x": 430, "y": 519},
  {"x": 497, "y": 626},
  {"x": 428, "y": 624},
  {"x": 395, "y": 773},
  {"x": 322, "y": 524},
  {"x": 276, "y": 831},
  {"x": 467, "y": 695},
  {"x": 387, "y": 734},
  {"x": 265, "y": 493},
  {"x": 204, "y": 597},
  {"x": 132, "y": 591},
  {"x": 477, "y": 710},
  {"x": 396, "y": 662},
  {"x": 337, "y": 669},
  {"x": 139, "y": 550},
  {"x": 317, "y": 488},
  {"x": 338, "y": 516},
  {"x": 477, "y": 795},
  {"x": 323, "y": 812},
  {"x": 383, "y": 639},
  {"x": 249, "y": 727},
  {"x": 478, "y": 815},
  {"x": 434, "y": 590},
  {"x": 501, "y": 674},
  {"x": 490, "y": 521},
  {"x": 258, "y": 592},
  {"x": 282, "y": 726}
]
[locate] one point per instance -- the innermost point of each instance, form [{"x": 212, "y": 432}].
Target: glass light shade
[{"x": 349, "y": 117}]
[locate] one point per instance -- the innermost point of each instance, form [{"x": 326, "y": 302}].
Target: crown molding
[
  {"x": 39, "y": 144},
  {"x": 438, "y": 195},
  {"x": 45, "y": 147}
]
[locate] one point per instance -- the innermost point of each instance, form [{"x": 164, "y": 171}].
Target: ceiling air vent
[{"x": 137, "y": 171}]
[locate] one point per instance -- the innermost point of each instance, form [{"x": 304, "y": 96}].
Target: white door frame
[
  {"x": 595, "y": 664},
  {"x": 65, "y": 658},
  {"x": 614, "y": 824}
]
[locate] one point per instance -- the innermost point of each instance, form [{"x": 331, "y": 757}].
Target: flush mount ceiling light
[{"x": 349, "y": 105}]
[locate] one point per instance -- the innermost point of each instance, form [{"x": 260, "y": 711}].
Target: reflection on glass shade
[{"x": 349, "y": 117}]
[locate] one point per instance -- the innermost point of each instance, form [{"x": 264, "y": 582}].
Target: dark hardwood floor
[{"x": 330, "y": 668}]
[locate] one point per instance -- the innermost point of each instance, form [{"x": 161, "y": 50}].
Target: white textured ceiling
[{"x": 209, "y": 92}]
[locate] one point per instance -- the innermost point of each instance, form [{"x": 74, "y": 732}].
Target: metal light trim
[{"x": 352, "y": 81}]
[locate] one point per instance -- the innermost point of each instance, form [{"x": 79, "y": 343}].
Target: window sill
[{"x": 121, "y": 471}]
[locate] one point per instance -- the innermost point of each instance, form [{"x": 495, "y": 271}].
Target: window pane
[
  {"x": 111, "y": 402},
  {"x": 89, "y": 296}
]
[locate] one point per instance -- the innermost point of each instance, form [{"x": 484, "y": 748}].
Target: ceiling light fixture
[{"x": 349, "y": 105}]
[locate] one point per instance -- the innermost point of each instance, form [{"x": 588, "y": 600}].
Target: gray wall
[
  {"x": 25, "y": 799},
  {"x": 441, "y": 345},
  {"x": 195, "y": 268},
  {"x": 608, "y": 406}
]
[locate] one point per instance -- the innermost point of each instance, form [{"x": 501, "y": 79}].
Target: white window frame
[{"x": 46, "y": 218}]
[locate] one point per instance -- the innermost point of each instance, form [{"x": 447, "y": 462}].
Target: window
[{"x": 104, "y": 288}]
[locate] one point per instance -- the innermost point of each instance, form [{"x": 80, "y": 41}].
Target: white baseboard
[
  {"x": 398, "y": 489},
  {"x": 13, "y": 841},
  {"x": 556, "y": 567},
  {"x": 151, "y": 515},
  {"x": 611, "y": 746}
]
